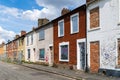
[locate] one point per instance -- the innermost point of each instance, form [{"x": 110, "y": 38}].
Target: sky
[{"x": 17, "y": 15}]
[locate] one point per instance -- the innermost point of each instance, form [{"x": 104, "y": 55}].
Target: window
[
  {"x": 31, "y": 38},
  {"x": 75, "y": 23},
  {"x": 64, "y": 51},
  {"x": 42, "y": 54},
  {"x": 61, "y": 28},
  {"x": 94, "y": 18},
  {"x": 28, "y": 53},
  {"x": 27, "y": 40},
  {"x": 41, "y": 34}
]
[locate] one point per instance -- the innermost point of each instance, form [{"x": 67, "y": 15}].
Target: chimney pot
[
  {"x": 23, "y": 33},
  {"x": 65, "y": 11}
]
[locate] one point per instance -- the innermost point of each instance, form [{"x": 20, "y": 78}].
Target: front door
[
  {"x": 82, "y": 55},
  {"x": 81, "y": 52},
  {"x": 94, "y": 56}
]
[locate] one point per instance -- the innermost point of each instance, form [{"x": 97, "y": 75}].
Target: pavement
[{"x": 73, "y": 74}]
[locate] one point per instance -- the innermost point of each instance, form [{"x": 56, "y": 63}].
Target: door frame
[{"x": 78, "y": 52}]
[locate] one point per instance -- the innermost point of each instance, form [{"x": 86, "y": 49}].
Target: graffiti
[{"x": 108, "y": 53}]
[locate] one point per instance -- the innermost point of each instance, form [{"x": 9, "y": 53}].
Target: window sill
[
  {"x": 74, "y": 32},
  {"x": 64, "y": 60},
  {"x": 94, "y": 29},
  {"x": 41, "y": 59},
  {"x": 41, "y": 39},
  {"x": 61, "y": 36}
]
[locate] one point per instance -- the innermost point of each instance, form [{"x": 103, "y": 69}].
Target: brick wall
[
  {"x": 68, "y": 37},
  {"x": 94, "y": 57},
  {"x": 94, "y": 18}
]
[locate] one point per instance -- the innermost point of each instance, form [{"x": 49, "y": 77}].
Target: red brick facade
[
  {"x": 68, "y": 37},
  {"x": 11, "y": 49},
  {"x": 94, "y": 57},
  {"x": 94, "y": 18}
]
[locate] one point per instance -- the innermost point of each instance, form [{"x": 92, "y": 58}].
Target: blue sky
[{"x": 17, "y": 15}]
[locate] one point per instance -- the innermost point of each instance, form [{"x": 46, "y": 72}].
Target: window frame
[
  {"x": 76, "y": 14},
  {"x": 62, "y": 44},
  {"x": 31, "y": 39},
  {"x": 59, "y": 35},
  {"x": 97, "y": 27},
  {"x": 44, "y": 54},
  {"x": 39, "y": 34},
  {"x": 29, "y": 54}
]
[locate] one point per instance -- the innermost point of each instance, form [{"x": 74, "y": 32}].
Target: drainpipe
[{"x": 86, "y": 65}]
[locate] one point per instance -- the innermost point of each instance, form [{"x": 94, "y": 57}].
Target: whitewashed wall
[
  {"x": 48, "y": 40},
  {"x": 31, "y": 47},
  {"x": 107, "y": 34}
]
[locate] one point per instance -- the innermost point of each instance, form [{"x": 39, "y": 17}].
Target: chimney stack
[
  {"x": 42, "y": 21},
  {"x": 17, "y": 36},
  {"x": 23, "y": 33},
  {"x": 65, "y": 11}
]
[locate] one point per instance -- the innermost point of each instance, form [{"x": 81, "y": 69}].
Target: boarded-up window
[
  {"x": 118, "y": 51},
  {"x": 94, "y": 18}
]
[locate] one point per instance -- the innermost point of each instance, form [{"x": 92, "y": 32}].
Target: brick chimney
[
  {"x": 33, "y": 28},
  {"x": 17, "y": 36},
  {"x": 42, "y": 21},
  {"x": 23, "y": 33},
  {"x": 65, "y": 11}
]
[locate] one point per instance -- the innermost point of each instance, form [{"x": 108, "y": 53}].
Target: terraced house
[
  {"x": 44, "y": 40},
  {"x": 70, "y": 38},
  {"x": 103, "y": 36},
  {"x": 9, "y": 49},
  {"x": 21, "y": 46},
  {"x": 30, "y": 46}
]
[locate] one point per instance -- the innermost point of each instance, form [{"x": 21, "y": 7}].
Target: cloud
[
  {"x": 10, "y": 11},
  {"x": 13, "y": 20},
  {"x": 52, "y": 8},
  {"x": 6, "y": 35}
]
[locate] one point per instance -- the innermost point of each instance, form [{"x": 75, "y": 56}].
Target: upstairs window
[
  {"x": 75, "y": 23},
  {"x": 94, "y": 18},
  {"x": 31, "y": 38},
  {"x": 41, "y": 34},
  {"x": 61, "y": 28}
]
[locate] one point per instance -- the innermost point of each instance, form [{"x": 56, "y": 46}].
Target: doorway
[{"x": 81, "y": 52}]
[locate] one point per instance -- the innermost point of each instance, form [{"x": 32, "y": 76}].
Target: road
[{"x": 16, "y": 72}]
